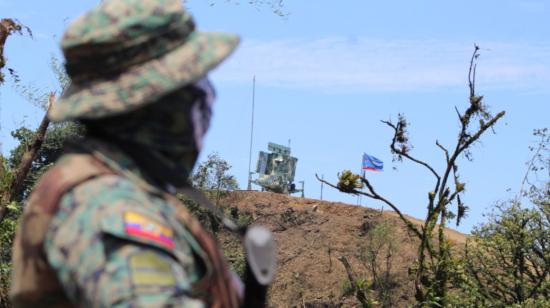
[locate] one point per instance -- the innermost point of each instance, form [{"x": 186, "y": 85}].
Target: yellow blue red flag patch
[{"x": 141, "y": 226}]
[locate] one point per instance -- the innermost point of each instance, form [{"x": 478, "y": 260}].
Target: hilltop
[{"x": 311, "y": 235}]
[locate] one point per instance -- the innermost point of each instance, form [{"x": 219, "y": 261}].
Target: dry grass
[{"x": 306, "y": 230}]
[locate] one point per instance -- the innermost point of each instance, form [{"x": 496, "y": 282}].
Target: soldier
[{"x": 102, "y": 228}]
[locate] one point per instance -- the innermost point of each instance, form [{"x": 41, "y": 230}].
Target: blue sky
[{"x": 329, "y": 71}]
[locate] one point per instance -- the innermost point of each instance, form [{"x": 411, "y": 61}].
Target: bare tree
[
  {"x": 20, "y": 173},
  {"x": 433, "y": 265}
]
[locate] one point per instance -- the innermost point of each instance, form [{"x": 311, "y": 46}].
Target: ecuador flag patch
[{"x": 141, "y": 226}]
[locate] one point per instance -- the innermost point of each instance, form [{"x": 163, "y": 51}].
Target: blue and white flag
[{"x": 372, "y": 163}]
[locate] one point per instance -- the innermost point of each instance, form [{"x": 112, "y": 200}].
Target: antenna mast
[{"x": 251, "y": 134}]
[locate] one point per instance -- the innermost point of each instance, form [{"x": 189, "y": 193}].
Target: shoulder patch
[
  {"x": 141, "y": 226},
  {"x": 150, "y": 269}
]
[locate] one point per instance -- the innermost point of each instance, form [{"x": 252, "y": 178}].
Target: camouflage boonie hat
[{"x": 125, "y": 54}]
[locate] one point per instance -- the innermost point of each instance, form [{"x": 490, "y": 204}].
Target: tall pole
[{"x": 251, "y": 134}]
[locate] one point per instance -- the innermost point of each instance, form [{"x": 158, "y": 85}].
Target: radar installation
[{"x": 276, "y": 170}]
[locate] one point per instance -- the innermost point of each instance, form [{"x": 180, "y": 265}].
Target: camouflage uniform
[{"x": 100, "y": 228}]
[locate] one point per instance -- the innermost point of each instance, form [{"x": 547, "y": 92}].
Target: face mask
[
  {"x": 201, "y": 111},
  {"x": 173, "y": 127}
]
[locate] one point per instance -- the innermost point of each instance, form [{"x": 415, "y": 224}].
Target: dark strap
[{"x": 62, "y": 177}]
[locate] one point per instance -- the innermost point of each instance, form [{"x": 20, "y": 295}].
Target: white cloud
[
  {"x": 363, "y": 64},
  {"x": 531, "y": 6}
]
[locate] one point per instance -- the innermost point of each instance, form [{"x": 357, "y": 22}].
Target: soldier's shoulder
[
  {"x": 74, "y": 159},
  {"x": 112, "y": 204},
  {"x": 105, "y": 192},
  {"x": 70, "y": 170},
  {"x": 115, "y": 206}
]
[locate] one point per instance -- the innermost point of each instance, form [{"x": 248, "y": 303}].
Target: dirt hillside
[{"x": 312, "y": 234}]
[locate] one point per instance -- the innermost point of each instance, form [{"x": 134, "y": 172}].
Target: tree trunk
[
  {"x": 25, "y": 165},
  {"x": 359, "y": 294}
]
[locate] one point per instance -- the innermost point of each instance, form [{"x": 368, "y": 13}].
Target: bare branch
[
  {"x": 444, "y": 150},
  {"x": 452, "y": 197},
  {"x": 471, "y": 80},
  {"x": 463, "y": 143},
  {"x": 400, "y": 152},
  {"x": 481, "y": 130},
  {"x": 355, "y": 192},
  {"x": 458, "y": 114},
  {"x": 376, "y": 196},
  {"x": 530, "y": 165},
  {"x": 409, "y": 224}
]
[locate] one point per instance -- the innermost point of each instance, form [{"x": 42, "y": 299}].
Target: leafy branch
[{"x": 9, "y": 26}]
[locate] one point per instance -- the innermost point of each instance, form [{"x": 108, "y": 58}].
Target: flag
[{"x": 372, "y": 163}]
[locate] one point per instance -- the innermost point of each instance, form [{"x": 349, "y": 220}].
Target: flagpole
[
  {"x": 251, "y": 134},
  {"x": 364, "y": 174},
  {"x": 370, "y": 163}
]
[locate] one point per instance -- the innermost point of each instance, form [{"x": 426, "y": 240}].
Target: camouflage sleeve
[{"x": 113, "y": 245}]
